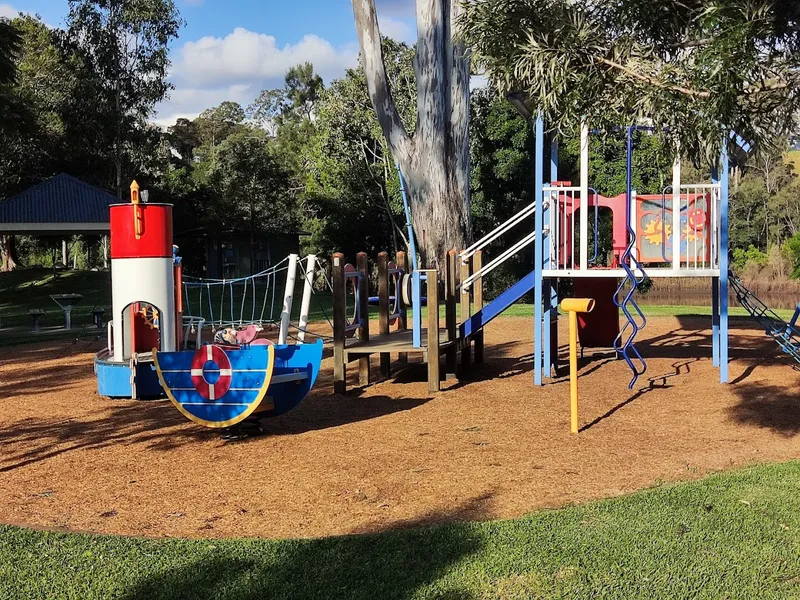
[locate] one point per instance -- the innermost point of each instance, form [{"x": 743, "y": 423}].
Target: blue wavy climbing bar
[{"x": 624, "y": 344}]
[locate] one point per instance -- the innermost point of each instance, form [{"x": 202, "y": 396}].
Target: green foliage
[
  {"x": 751, "y": 258},
  {"x": 501, "y": 156},
  {"x": 252, "y": 186},
  {"x": 351, "y": 187},
  {"x": 125, "y": 44},
  {"x": 731, "y": 535},
  {"x": 700, "y": 68},
  {"x": 791, "y": 249}
]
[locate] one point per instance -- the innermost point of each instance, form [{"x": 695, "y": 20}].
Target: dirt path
[{"x": 388, "y": 456}]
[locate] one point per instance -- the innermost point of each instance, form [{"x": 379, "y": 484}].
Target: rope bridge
[{"x": 255, "y": 299}]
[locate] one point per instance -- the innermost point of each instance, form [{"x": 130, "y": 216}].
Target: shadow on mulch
[
  {"x": 361, "y": 566},
  {"x": 775, "y": 407},
  {"x": 161, "y": 427}
]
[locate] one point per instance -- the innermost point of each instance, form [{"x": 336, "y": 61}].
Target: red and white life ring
[{"x": 216, "y": 355}]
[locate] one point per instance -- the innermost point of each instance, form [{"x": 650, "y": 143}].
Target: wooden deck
[{"x": 399, "y": 341}]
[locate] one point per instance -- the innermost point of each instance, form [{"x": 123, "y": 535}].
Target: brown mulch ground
[{"x": 388, "y": 456}]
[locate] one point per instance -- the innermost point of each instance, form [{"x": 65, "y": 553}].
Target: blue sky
[{"x": 232, "y": 49}]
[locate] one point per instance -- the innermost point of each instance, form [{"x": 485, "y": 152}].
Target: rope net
[{"x": 236, "y": 302}]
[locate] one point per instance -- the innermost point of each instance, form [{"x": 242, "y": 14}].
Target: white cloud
[
  {"x": 8, "y": 11},
  {"x": 237, "y": 67},
  {"x": 245, "y": 56},
  {"x": 398, "y": 29}
]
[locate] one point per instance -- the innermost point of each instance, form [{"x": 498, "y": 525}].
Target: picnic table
[{"x": 66, "y": 302}]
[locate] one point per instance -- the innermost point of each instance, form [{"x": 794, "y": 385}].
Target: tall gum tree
[{"x": 434, "y": 159}]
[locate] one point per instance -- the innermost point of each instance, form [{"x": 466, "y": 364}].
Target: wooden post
[
  {"x": 450, "y": 291},
  {"x": 477, "y": 299},
  {"x": 339, "y": 325},
  {"x": 362, "y": 266},
  {"x": 433, "y": 330},
  {"x": 466, "y": 356},
  {"x": 383, "y": 309},
  {"x": 402, "y": 320}
]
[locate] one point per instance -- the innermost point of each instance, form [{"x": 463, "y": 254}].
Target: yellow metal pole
[
  {"x": 573, "y": 370},
  {"x": 573, "y": 306}
]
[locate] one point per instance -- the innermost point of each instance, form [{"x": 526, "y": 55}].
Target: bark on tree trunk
[
  {"x": 435, "y": 161},
  {"x": 8, "y": 253}
]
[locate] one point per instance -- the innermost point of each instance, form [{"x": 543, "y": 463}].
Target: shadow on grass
[{"x": 355, "y": 567}]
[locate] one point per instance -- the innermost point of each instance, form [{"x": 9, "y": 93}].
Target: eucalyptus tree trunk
[{"x": 435, "y": 158}]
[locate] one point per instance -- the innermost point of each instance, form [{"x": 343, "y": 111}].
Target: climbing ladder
[{"x": 786, "y": 335}]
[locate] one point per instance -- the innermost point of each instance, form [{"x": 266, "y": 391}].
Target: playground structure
[
  {"x": 682, "y": 232},
  {"x": 398, "y": 291},
  {"x": 156, "y": 335}
]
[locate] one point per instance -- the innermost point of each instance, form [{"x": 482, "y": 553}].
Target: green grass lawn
[
  {"x": 732, "y": 535},
  {"x": 23, "y": 290}
]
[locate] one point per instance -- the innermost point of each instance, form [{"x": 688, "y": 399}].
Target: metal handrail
[
  {"x": 498, "y": 231},
  {"x": 498, "y": 260}
]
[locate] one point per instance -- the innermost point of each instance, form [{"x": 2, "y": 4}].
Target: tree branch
[
  {"x": 650, "y": 81},
  {"x": 369, "y": 36}
]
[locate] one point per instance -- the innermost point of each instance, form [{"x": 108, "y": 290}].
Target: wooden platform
[{"x": 399, "y": 341}]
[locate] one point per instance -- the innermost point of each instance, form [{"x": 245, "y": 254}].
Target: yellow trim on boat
[{"x": 254, "y": 407}]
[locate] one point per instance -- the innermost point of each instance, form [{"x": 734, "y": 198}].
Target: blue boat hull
[
  {"x": 119, "y": 380},
  {"x": 259, "y": 380}
]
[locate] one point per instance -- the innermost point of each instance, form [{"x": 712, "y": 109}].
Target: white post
[
  {"x": 64, "y": 252},
  {"x": 288, "y": 296},
  {"x": 105, "y": 252},
  {"x": 676, "y": 213},
  {"x": 584, "y": 204},
  {"x": 308, "y": 289}
]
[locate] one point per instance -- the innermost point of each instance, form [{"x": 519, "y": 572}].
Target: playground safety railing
[
  {"x": 565, "y": 201},
  {"x": 694, "y": 221},
  {"x": 493, "y": 235}
]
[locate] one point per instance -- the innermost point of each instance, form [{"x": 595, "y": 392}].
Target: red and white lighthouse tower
[{"x": 143, "y": 277}]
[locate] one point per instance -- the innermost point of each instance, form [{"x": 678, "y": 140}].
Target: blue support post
[
  {"x": 538, "y": 248},
  {"x": 550, "y": 285},
  {"x": 723, "y": 262},
  {"x": 715, "y": 298},
  {"x": 715, "y": 320}
]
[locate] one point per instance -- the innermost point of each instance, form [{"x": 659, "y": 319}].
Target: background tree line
[{"x": 304, "y": 157}]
